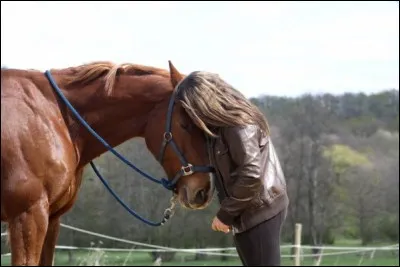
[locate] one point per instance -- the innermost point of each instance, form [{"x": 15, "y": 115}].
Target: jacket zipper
[
  {"x": 222, "y": 184},
  {"x": 220, "y": 180}
]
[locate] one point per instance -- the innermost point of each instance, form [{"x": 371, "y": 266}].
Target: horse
[{"x": 45, "y": 148}]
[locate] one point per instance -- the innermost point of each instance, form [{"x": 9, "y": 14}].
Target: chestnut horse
[{"x": 44, "y": 148}]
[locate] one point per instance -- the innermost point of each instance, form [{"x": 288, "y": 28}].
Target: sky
[{"x": 261, "y": 48}]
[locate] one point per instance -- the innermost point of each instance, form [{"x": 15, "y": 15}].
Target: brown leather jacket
[{"x": 250, "y": 182}]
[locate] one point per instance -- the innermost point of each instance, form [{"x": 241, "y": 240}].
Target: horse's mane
[{"x": 109, "y": 71}]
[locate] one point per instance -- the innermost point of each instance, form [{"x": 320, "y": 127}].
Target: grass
[{"x": 93, "y": 258}]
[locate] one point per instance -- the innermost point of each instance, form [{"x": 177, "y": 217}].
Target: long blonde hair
[{"x": 212, "y": 103}]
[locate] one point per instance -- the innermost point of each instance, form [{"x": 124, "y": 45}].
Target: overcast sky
[{"x": 275, "y": 48}]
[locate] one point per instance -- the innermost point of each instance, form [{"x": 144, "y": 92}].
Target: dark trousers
[{"x": 260, "y": 245}]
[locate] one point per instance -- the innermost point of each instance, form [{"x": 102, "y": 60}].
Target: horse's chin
[
  {"x": 193, "y": 207},
  {"x": 189, "y": 206}
]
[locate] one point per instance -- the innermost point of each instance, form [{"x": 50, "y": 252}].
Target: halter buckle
[{"x": 187, "y": 170}]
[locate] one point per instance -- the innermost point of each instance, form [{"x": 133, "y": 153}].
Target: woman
[{"x": 250, "y": 183}]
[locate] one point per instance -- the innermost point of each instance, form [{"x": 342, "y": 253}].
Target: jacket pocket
[
  {"x": 272, "y": 193},
  {"x": 258, "y": 201},
  {"x": 222, "y": 151},
  {"x": 222, "y": 161}
]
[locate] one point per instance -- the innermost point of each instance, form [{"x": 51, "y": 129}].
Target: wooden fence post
[{"x": 297, "y": 244}]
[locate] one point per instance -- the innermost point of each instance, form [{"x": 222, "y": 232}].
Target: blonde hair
[{"x": 212, "y": 102}]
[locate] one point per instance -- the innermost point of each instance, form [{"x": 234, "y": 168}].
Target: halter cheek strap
[{"x": 187, "y": 168}]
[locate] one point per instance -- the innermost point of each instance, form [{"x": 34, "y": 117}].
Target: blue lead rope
[
  {"x": 163, "y": 181},
  {"x": 132, "y": 212}
]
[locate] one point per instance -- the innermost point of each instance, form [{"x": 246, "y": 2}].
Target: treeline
[{"x": 340, "y": 156}]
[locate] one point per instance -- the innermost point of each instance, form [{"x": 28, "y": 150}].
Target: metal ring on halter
[
  {"x": 167, "y": 136},
  {"x": 187, "y": 170}
]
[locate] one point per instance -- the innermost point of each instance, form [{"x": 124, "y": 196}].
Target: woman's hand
[{"x": 217, "y": 225}]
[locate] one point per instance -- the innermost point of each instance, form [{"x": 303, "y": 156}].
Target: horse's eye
[{"x": 186, "y": 126}]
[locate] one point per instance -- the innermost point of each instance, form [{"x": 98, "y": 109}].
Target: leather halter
[{"x": 187, "y": 168}]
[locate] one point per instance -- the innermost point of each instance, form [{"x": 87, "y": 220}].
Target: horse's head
[{"x": 181, "y": 149}]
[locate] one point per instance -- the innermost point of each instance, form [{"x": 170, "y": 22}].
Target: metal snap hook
[{"x": 169, "y": 212}]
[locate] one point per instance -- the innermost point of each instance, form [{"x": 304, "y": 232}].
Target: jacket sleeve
[{"x": 243, "y": 145}]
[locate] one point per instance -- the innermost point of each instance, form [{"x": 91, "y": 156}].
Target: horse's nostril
[{"x": 201, "y": 197}]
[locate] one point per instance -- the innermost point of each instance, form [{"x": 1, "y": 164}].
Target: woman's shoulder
[
  {"x": 241, "y": 128},
  {"x": 241, "y": 131}
]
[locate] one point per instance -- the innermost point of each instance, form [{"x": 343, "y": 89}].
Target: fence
[{"x": 318, "y": 253}]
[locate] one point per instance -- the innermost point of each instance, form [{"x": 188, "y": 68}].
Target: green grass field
[{"x": 89, "y": 258}]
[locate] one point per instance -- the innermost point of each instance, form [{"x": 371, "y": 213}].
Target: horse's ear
[{"x": 176, "y": 77}]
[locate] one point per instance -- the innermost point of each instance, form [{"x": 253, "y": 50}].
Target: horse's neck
[{"x": 116, "y": 118}]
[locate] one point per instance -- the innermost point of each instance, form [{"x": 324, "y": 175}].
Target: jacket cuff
[{"x": 225, "y": 217}]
